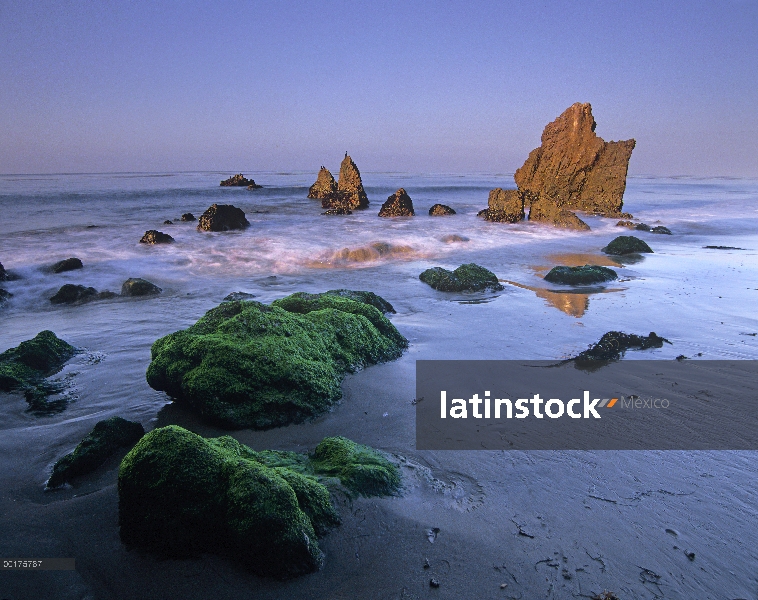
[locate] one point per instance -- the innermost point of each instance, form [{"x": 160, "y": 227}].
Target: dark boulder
[
  {"x": 222, "y": 217},
  {"x": 246, "y": 364},
  {"x": 188, "y": 217},
  {"x": 73, "y": 294},
  {"x": 398, "y": 204},
  {"x": 504, "y": 206},
  {"x": 440, "y": 210},
  {"x": 102, "y": 442},
  {"x": 3, "y": 273},
  {"x": 586, "y": 275},
  {"x": 238, "y": 180},
  {"x": 156, "y": 237},
  {"x": 614, "y": 343},
  {"x": 68, "y": 264},
  {"x": 466, "y": 278},
  {"x": 661, "y": 229},
  {"x": 626, "y": 244},
  {"x": 324, "y": 186},
  {"x": 135, "y": 286},
  {"x": 253, "y": 185},
  {"x": 168, "y": 222}
]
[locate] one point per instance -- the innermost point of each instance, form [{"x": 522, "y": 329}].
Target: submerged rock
[
  {"x": 350, "y": 185},
  {"x": 246, "y": 364},
  {"x": 466, "y": 278},
  {"x": 168, "y": 222},
  {"x": 661, "y": 229},
  {"x": 453, "y": 238},
  {"x": 222, "y": 217},
  {"x": 398, "y": 204},
  {"x": 340, "y": 210},
  {"x": 614, "y": 343},
  {"x": 181, "y": 494},
  {"x": 188, "y": 217},
  {"x": 238, "y": 180},
  {"x": 3, "y": 274},
  {"x": 626, "y": 244},
  {"x": 504, "y": 206},
  {"x": 68, "y": 264},
  {"x": 574, "y": 168},
  {"x": 71, "y": 294},
  {"x": 28, "y": 364},
  {"x": 253, "y": 186},
  {"x": 324, "y": 186},
  {"x": 136, "y": 286},
  {"x": 5, "y": 295},
  {"x": 103, "y": 441},
  {"x": 440, "y": 210},
  {"x": 156, "y": 237},
  {"x": 585, "y": 275}
]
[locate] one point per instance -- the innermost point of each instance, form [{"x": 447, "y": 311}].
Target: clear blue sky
[{"x": 406, "y": 86}]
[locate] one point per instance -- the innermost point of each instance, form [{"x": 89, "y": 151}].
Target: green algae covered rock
[
  {"x": 585, "y": 275},
  {"x": 104, "y": 440},
  {"x": 626, "y": 244},
  {"x": 26, "y": 365},
  {"x": 613, "y": 344},
  {"x": 466, "y": 278},
  {"x": 246, "y": 364},
  {"x": 180, "y": 494}
]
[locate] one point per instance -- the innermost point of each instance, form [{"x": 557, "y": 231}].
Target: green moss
[
  {"x": 362, "y": 470},
  {"x": 245, "y": 364},
  {"x": 105, "y": 439},
  {"x": 466, "y": 278},
  {"x": 626, "y": 244},
  {"x": 26, "y": 366},
  {"x": 180, "y": 493},
  {"x": 366, "y": 297},
  {"x": 585, "y": 275}
]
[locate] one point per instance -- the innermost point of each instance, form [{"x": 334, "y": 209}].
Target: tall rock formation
[
  {"x": 350, "y": 185},
  {"x": 324, "y": 186},
  {"x": 574, "y": 168}
]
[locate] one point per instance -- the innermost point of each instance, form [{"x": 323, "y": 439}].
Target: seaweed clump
[
  {"x": 103, "y": 441},
  {"x": 246, "y": 364},
  {"x": 180, "y": 494},
  {"x": 26, "y": 366},
  {"x": 466, "y": 278},
  {"x": 614, "y": 343},
  {"x": 585, "y": 275}
]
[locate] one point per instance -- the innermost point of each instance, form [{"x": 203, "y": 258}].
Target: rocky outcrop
[
  {"x": 156, "y": 237},
  {"x": 28, "y": 364},
  {"x": 103, "y": 441},
  {"x": 504, "y": 206},
  {"x": 586, "y": 275},
  {"x": 350, "y": 185},
  {"x": 398, "y": 204},
  {"x": 466, "y": 278},
  {"x": 253, "y": 186},
  {"x": 222, "y": 217},
  {"x": 238, "y": 180},
  {"x": 440, "y": 210},
  {"x": 74, "y": 294},
  {"x": 644, "y": 227},
  {"x": 69, "y": 264},
  {"x": 626, "y": 244},
  {"x": 246, "y": 364},
  {"x": 136, "y": 286},
  {"x": 542, "y": 211},
  {"x": 576, "y": 169},
  {"x": 614, "y": 343},
  {"x": 188, "y": 217},
  {"x": 324, "y": 186},
  {"x": 180, "y": 493}
]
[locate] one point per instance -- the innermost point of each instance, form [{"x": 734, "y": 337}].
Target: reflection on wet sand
[
  {"x": 579, "y": 260},
  {"x": 572, "y": 302},
  {"x": 364, "y": 254}
]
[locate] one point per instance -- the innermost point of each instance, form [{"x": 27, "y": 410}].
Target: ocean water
[{"x": 702, "y": 300}]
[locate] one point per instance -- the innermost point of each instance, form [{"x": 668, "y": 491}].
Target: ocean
[{"x": 702, "y": 300}]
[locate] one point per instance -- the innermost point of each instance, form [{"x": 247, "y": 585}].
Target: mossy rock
[
  {"x": 588, "y": 274},
  {"x": 627, "y": 244},
  {"x": 466, "y": 278},
  {"x": 103, "y": 441},
  {"x": 246, "y": 364},
  {"x": 366, "y": 297},
  {"x": 136, "y": 286},
  {"x": 614, "y": 343},
  {"x": 181, "y": 494},
  {"x": 33, "y": 360}
]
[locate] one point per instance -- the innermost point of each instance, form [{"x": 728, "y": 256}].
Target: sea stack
[
  {"x": 324, "y": 187},
  {"x": 574, "y": 169},
  {"x": 350, "y": 185},
  {"x": 398, "y": 204}
]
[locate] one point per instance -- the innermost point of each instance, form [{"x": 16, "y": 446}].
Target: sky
[{"x": 410, "y": 86}]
